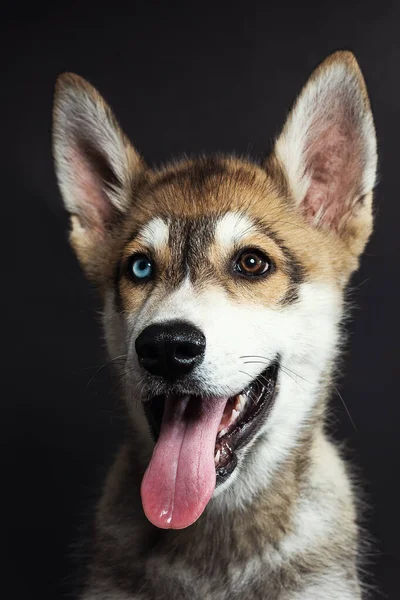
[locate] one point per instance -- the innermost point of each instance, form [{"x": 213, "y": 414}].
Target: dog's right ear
[{"x": 96, "y": 167}]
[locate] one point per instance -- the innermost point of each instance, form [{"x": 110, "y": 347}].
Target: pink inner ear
[
  {"x": 333, "y": 161},
  {"x": 94, "y": 205}
]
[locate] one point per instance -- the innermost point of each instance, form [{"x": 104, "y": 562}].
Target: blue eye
[{"x": 141, "y": 267}]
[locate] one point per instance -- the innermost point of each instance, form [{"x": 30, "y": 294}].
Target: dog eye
[
  {"x": 252, "y": 263},
  {"x": 141, "y": 267}
]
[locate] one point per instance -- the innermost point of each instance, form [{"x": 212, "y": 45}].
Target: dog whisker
[
  {"x": 103, "y": 366},
  {"x": 288, "y": 371},
  {"x": 345, "y": 406},
  {"x": 266, "y": 361},
  {"x": 250, "y": 392}
]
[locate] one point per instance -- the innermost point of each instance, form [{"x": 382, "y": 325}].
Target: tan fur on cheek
[
  {"x": 133, "y": 295},
  {"x": 268, "y": 291}
]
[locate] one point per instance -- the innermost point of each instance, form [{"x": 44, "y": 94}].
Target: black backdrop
[{"x": 187, "y": 78}]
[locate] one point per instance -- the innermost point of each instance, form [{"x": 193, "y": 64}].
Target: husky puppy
[{"x": 223, "y": 283}]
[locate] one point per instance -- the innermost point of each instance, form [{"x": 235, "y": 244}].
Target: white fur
[
  {"x": 299, "y": 341},
  {"x": 234, "y": 330},
  {"x": 155, "y": 234},
  {"x": 311, "y": 524},
  {"x": 332, "y": 586},
  {"x": 232, "y": 228}
]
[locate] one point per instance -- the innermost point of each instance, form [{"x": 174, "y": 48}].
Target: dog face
[{"x": 222, "y": 280}]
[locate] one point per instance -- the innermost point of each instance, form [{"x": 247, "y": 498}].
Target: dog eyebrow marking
[
  {"x": 155, "y": 234},
  {"x": 232, "y": 227}
]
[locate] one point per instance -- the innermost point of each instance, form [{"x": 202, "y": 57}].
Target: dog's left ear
[{"x": 326, "y": 154}]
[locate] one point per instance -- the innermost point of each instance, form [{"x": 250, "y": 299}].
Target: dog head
[{"x": 222, "y": 280}]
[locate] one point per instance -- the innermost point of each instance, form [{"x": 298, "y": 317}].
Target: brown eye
[{"x": 252, "y": 263}]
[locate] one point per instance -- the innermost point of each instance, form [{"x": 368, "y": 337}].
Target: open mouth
[
  {"x": 197, "y": 441},
  {"x": 243, "y": 415}
]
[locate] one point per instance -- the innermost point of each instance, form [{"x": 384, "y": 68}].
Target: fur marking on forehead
[
  {"x": 155, "y": 234},
  {"x": 232, "y": 227}
]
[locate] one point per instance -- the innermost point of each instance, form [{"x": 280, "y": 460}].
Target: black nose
[{"x": 170, "y": 350}]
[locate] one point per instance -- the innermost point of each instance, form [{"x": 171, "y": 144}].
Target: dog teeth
[
  {"x": 239, "y": 406},
  {"x": 241, "y": 402},
  {"x": 222, "y": 432},
  {"x": 217, "y": 457}
]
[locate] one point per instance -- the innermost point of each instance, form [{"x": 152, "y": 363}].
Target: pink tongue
[{"x": 180, "y": 478}]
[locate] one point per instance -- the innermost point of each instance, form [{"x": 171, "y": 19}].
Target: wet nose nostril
[{"x": 185, "y": 351}]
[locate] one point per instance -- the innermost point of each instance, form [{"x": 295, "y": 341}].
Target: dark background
[{"x": 181, "y": 78}]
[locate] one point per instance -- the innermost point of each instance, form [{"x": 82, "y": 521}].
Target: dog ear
[
  {"x": 96, "y": 166},
  {"x": 326, "y": 154}
]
